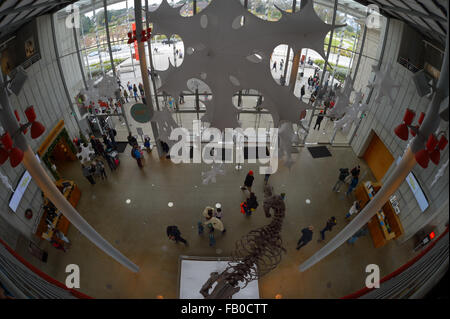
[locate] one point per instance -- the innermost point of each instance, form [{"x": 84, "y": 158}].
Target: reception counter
[{"x": 385, "y": 225}]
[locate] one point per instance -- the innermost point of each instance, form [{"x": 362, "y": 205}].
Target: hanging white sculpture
[
  {"x": 351, "y": 114},
  {"x": 383, "y": 83},
  {"x": 439, "y": 173},
  {"x": 236, "y": 56},
  {"x": 5, "y": 182},
  {"x": 342, "y": 99},
  {"x": 85, "y": 154},
  {"x": 166, "y": 124},
  {"x": 286, "y": 136},
  {"x": 210, "y": 176}
]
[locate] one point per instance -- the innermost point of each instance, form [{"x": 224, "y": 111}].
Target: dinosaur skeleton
[{"x": 256, "y": 254}]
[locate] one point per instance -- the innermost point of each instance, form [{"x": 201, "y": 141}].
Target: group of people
[
  {"x": 133, "y": 92},
  {"x": 352, "y": 178},
  {"x": 96, "y": 167},
  {"x": 345, "y": 176}
]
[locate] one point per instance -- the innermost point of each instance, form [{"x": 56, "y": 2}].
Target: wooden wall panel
[{"x": 378, "y": 157}]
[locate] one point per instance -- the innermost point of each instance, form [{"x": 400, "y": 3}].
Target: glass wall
[{"x": 93, "y": 46}]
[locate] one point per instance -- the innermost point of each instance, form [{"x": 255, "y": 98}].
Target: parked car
[{"x": 116, "y": 48}]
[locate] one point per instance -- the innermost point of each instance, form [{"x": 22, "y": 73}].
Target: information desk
[
  {"x": 60, "y": 222},
  {"x": 385, "y": 225}
]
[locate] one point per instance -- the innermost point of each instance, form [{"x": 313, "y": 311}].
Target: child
[{"x": 147, "y": 144}]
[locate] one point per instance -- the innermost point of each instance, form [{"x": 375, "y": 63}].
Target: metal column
[
  {"x": 108, "y": 40},
  {"x": 150, "y": 57},
  {"x": 96, "y": 36},
  {"x": 144, "y": 71}
]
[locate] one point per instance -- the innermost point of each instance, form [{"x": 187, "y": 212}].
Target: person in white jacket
[{"x": 215, "y": 222}]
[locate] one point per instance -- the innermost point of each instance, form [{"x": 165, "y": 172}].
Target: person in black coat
[
  {"x": 132, "y": 140},
  {"x": 343, "y": 173},
  {"x": 302, "y": 93},
  {"x": 318, "y": 120},
  {"x": 355, "y": 171},
  {"x": 248, "y": 181},
  {"x": 329, "y": 226},
  {"x": 252, "y": 202},
  {"x": 174, "y": 234},
  {"x": 306, "y": 237}
]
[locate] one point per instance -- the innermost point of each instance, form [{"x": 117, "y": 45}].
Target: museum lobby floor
[{"x": 138, "y": 229}]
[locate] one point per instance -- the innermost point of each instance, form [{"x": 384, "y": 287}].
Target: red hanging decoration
[
  {"x": 6, "y": 141},
  {"x": 402, "y": 131},
  {"x": 442, "y": 142},
  {"x": 37, "y": 129},
  {"x": 423, "y": 158},
  {"x": 432, "y": 143},
  {"x": 30, "y": 114},
  {"x": 422, "y": 116},
  {"x": 413, "y": 133},
  {"x": 15, "y": 156},
  {"x": 435, "y": 156},
  {"x": 409, "y": 116}
]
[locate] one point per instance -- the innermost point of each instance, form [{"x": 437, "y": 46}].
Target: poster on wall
[{"x": 22, "y": 50}]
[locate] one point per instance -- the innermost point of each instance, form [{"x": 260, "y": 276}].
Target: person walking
[
  {"x": 274, "y": 67},
  {"x": 248, "y": 182},
  {"x": 354, "y": 209},
  {"x": 302, "y": 92},
  {"x": 112, "y": 135},
  {"x": 306, "y": 237},
  {"x": 125, "y": 95},
  {"x": 181, "y": 98},
  {"x": 137, "y": 155},
  {"x": 174, "y": 234},
  {"x": 319, "y": 120},
  {"x": 281, "y": 64},
  {"x": 100, "y": 169},
  {"x": 328, "y": 227},
  {"x": 132, "y": 140},
  {"x": 266, "y": 178},
  {"x": 355, "y": 171},
  {"x": 250, "y": 204},
  {"x": 141, "y": 90},
  {"x": 147, "y": 144},
  {"x": 130, "y": 88},
  {"x": 135, "y": 94},
  {"x": 215, "y": 222},
  {"x": 352, "y": 185},
  {"x": 343, "y": 173},
  {"x": 87, "y": 173}
]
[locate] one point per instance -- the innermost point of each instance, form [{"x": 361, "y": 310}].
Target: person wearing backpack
[
  {"x": 343, "y": 173},
  {"x": 136, "y": 154},
  {"x": 252, "y": 202}
]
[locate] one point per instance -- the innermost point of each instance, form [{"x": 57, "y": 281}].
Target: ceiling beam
[
  {"x": 416, "y": 13},
  {"x": 32, "y": 7}
]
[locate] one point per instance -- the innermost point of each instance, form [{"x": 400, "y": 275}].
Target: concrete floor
[{"x": 138, "y": 229}]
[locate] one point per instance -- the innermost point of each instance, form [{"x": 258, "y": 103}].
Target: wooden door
[{"x": 378, "y": 157}]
